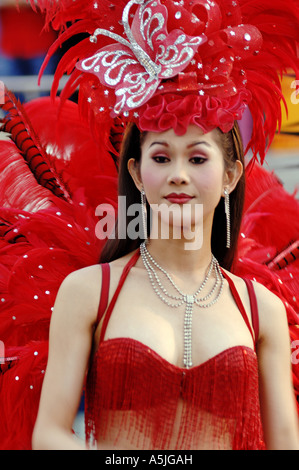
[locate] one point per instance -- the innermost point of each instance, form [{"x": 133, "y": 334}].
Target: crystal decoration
[{"x": 136, "y": 66}]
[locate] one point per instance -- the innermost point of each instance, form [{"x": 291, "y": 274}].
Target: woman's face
[{"x": 182, "y": 170}]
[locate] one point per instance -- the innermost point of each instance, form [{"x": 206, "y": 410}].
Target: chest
[{"x": 143, "y": 316}]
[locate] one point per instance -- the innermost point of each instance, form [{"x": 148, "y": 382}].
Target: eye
[
  {"x": 160, "y": 159},
  {"x": 197, "y": 160}
]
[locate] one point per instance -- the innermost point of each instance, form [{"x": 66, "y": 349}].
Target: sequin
[{"x": 128, "y": 67}]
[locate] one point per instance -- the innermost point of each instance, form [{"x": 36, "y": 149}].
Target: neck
[
  {"x": 184, "y": 254},
  {"x": 173, "y": 256}
]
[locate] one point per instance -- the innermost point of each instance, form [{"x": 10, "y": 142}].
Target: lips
[{"x": 178, "y": 198}]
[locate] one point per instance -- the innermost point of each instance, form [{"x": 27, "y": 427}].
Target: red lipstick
[{"x": 178, "y": 198}]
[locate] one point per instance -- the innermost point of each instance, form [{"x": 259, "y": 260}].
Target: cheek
[
  {"x": 210, "y": 181},
  {"x": 152, "y": 180},
  {"x": 149, "y": 178}
]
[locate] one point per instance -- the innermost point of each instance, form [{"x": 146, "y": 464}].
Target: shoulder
[
  {"x": 267, "y": 300},
  {"x": 78, "y": 296},
  {"x": 82, "y": 281},
  {"x": 271, "y": 310},
  {"x": 273, "y": 323},
  {"x": 81, "y": 290},
  {"x": 269, "y": 304}
]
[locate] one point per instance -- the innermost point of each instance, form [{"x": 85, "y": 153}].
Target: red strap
[
  {"x": 132, "y": 261},
  {"x": 238, "y": 302},
  {"x": 104, "y": 291},
  {"x": 254, "y": 308}
]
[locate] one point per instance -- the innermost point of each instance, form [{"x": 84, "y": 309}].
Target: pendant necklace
[{"x": 175, "y": 301}]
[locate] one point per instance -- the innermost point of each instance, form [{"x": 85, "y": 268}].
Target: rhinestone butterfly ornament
[{"x": 136, "y": 66}]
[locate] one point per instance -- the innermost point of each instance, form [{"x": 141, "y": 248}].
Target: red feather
[
  {"x": 39, "y": 247},
  {"x": 25, "y": 138},
  {"x": 277, "y": 21}
]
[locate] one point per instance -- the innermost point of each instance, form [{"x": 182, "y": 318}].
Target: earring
[
  {"x": 227, "y": 213},
  {"x": 144, "y": 214}
]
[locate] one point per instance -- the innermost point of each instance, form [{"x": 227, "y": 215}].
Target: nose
[{"x": 178, "y": 174}]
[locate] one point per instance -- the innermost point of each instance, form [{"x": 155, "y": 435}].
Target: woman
[
  {"x": 179, "y": 353},
  {"x": 143, "y": 340}
]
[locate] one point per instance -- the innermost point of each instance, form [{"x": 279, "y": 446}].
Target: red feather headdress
[{"x": 167, "y": 64}]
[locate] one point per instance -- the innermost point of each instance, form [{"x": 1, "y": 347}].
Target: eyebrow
[
  {"x": 202, "y": 142},
  {"x": 159, "y": 143}
]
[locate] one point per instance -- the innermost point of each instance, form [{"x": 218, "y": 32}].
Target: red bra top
[{"x": 137, "y": 399}]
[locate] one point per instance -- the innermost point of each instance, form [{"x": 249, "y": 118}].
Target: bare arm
[
  {"x": 70, "y": 345},
  {"x": 279, "y": 415}
]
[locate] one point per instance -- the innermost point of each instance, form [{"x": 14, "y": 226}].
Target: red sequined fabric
[{"x": 137, "y": 399}]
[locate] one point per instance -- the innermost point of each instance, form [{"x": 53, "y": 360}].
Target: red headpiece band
[{"x": 167, "y": 64}]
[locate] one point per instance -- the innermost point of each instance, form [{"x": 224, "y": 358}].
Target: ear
[
  {"x": 134, "y": 170},
  {"x": 232, "y": 176}
]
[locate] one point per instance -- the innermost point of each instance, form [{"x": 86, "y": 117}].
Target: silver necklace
[{"x": 177, "y": 300}]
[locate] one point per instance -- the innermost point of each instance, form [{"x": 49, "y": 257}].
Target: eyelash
[
  {"x": 202, "y": 160},
  {"x": 158, "y": 158}
]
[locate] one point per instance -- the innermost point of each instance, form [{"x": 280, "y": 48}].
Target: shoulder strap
[
  {"x": 104, "y": 291},
  {"x": 254, "y": 308},
  {"x": 239, "y": 303},
  {"x": 132, "y": 261}
]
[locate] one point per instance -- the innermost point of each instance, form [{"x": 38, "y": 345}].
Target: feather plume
[
  {"x": 276, "y": 20},
  {"x": 27, "y": 142}
]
